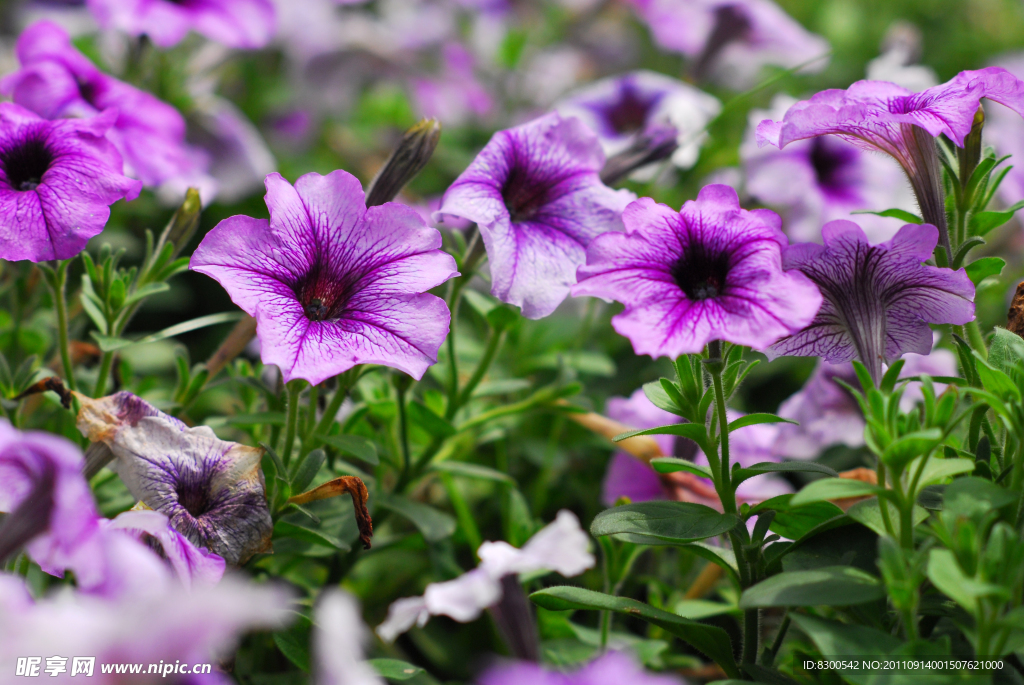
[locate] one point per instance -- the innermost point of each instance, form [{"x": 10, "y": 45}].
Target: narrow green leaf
[
  {"x": 434, "y": 524},
  {"x": 467, "y": 470},
  {"x": 740, "y": 475},
  {"x": 895, "y": 214},
  {"x": 394, "y": 669},
  {"x": 827, "y": 586},
  {"x": 946, "y": 574},
  {"x": 983, "y": 222},
  {"x": 907, "y": 447},
  {"x": 307, "y": 470},
  {"x": 268, "y": 418},
  {"x": 694, "y": 431},
  {"x": 109, "y": 344},
  {"x": 995, "y": 381},
  {"x": 755, "y": 419},
  {"x": 661, "y": 522},
  {"x": 672, "y": 465},
  {"x": 285, "y": 529},
  {"x": 435, "y": 425},
  {"x": 833, "y": 488},
  {"x": 356, "y": 445}
]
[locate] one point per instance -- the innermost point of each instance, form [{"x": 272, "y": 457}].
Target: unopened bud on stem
[
  {"x": 648, "y": 147},
  {"x": 970, "y": 154},
  {"x": 407, "y": 159}
]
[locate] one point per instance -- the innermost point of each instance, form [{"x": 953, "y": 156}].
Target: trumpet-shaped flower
[
  {"x": 610, "y": 669},
  {"x": 211, "y": 490},
  {"x": 331, "y": 283},
  {"x": 711, "y": 271},
  {"x": 57, "y": 180},
  {"x": 57, "y": 81},
  {"x": 879, "y": 299},
  {"x": 235, "y": 23},
  {"x": 535, "y": 194},
  {"x": 560, "y": 546},
  {"x": 622, "y": 107}
]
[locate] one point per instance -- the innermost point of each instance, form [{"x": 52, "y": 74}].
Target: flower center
[
  {"x": 193, "y": 498},
  {"x": 701, "y": 276},
  {"x": 524, "y": 194},
  {"x": 630, "y": 113},
  {"x": 25, "y": 162},
  {"x": 322, "y": 297},
  {"x": 88, "y": 92},
  {"x": 833, "y": 163},
  {"x": 731, "y": 24}
]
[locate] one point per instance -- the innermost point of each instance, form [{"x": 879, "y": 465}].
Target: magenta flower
[
  {"x": 57, "y": 180},
  {"x": 711, "y": 271},
  {"x": 331, "y": 283},
  {"x": 816, "y": 181},
  {"x": 622, "y": 107},
  {"x": 56, "y": 81},
  {"x": 235, "y": 23},
  {"x": 731, "y": 41},
  {"x": 876, "y": 115},
  {"x": 879, "y": 299},
  {"x": 535, "y": 193},
  {"x": 612, "y": 668}
]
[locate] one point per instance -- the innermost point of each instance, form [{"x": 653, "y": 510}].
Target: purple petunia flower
[
  {"x": 235, "y": 23},
  {"x": 731, "y": 41},
  {"x": 57, "y": 180},
  {"x": 622, "y": 107},
  {"x": 711, "y": 271},
  {"x": 876, "y": 115},
  {"x": 879, "y": 299},
  {"x": 1004, "y": 131},
  {"x": 211, "y": 490},
  {"x": 331, "y": 283},
  {"x": 57, "y": 81},
  {"x": 455, "y": 96},
  {"x": 612, "y": 668},
  {"x": 819, "y": 180},
  {"x": 535, "y": 193}
]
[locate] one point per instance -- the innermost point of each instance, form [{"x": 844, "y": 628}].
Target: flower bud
[{"x": 407, "y": 159}]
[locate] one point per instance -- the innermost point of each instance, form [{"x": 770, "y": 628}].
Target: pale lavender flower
[
  {"x": 711, "y": 271},
  {"x": 819, "y": 180},
  {"x": 235, "y": 23},
  {"x": 731, "y": 41},
  {"x": 57, "y": 180},
  {"x": 560, "y": 546},
  {"x": 879, "y": 299},
  {"x": 331, "y": 283},
  {"x": 211, "y": 490},
  {"x": 876, "y": 115},
  {"x": 621, "y": 107},
  {"x": 57, "y": 81},
  {"x": 535, "y": 193},
  {"x": 1004, "y": 130},
  {"x": 613, "y": 668},
  {"x": 455, "y": 96},
  {"x": 197, "y": 626},
  {"x": 338, "y": 641}
]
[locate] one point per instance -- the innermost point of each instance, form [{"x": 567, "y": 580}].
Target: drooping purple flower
[
  {"x": 876, "y": 115},
  {"x": 622, "y": 107},
  {"x": 612, "y": 668},
  {"x": 57, "y": 180},
  {"x": 879, "y": 299},
  {"x": 454, "y": 96},
  {"x": 711, "y": 271},
  {"x": 331, "y": 283},
  {"x": 235, "y": 23},
  {"x": 211, "y": 490},
  {"x": 819, "y": 180},
  {"x": 535, "y": 194},
  {"x": 56, "y": 81},
  {"x": 731, "y": 41}
]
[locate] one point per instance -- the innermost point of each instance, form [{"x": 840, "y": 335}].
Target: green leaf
[
  {"x": 710, "y": 640},
  {"x": 394, "y": 669},
  {"x": 268, "y": 418},
  {"x": 827, "y": 586},
  {"x": 895, "y": 214},
  {"x": 672, "y": 465},
  {"x": 661, "y": 522},
  {"x": 500, "y": 318},
  {"x": 467, "y": 470},
  {"x": 869, "y": 513},
  {"x": 740, "y": 475},
  {"x": 583, "y": 361},
  {"x": 1006, "y": 350},
  {"x": 939, "y": 469},
  {"x": 834, "y": 638},
  {"x": 294, "y": 642},
  {"x": 983, "y": 222},
  {"x": 833, "y": 488},
  {"x": 716, "y": 554},
  {"x": 797, "y": 522},
  {"x": 838, "y": 542},
  {"x": 961, "y": 252},
  {"x": 995, "y": 381},
  {"x": 904, "y": 449},
  {"x": 434, "y": 524},
  {"x": 286, "y": 529},
  {"x": 693, "y": 431},
  {"x": 356, "y": 445},
  {"x": 945, "y": 574},
  {"x": 659, "y": 392},
  {"x": 696, "y": 609},
  {"x": 980, "y": 269},
  {"x": 755, "y": 419},
  {"x": 146, "y": 291},
  {"x": 974, "y": 497},
  {"x": 307, "y": 470},
  {"x": 109, "y": 344},
  {"x": 436, "y": 426}
]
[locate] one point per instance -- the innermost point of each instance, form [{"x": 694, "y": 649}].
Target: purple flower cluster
[{"x": 236, "y": 23}]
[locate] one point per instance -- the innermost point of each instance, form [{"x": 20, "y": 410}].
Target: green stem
[
  {"x": 403, "y": 425},
  {"x": 494, "y": 339},
  {"x": 722, "y": 485},
  {"x": 454, "y": 297},
  {"x": 768, "y": 657},
  {"x": 294, "y": 389},
  {"x": 106, "y": 363},
  {"x": 883, "y": 505},
  {"x": 975, "y": 338},
  {"x": 345, "y": 382},
  {"x": 60, "y": 302},
  {"x": 462, "y": 512}
]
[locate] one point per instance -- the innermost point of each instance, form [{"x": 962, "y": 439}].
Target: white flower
[{"x": 338, "y": 642}]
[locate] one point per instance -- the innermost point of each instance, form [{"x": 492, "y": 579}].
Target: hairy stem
[
  {"x": 60, "y": 302},
  {"x": 294, "y": 389}
]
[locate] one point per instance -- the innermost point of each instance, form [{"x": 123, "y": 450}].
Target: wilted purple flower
[
  {"x": 711, "y": 271},
  {"x": 622, "y": 107},
  {"x": 197, "y": 626},
  {"x": 822, "y": 179},
  {"x": 211, "y": 490},
  {"x": 731, "y": 41},
  {"x": 57, "y": 81},
  {"x": 338, "y": 642},
  {"x": 876, "y": 115},
  {"x": 57, "y": 180},
  {"x": 50, "y": 508},
  {"x": 612, "y": 668},
  {"x": 535, "y": 193},
  {"x": 235, "y": 23},
  {"x": 879, "y": 299},
  {"x": 560, "y": 546},
  {"x": 455, "y": 96},
  {"x": 331, "y": 283}
]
